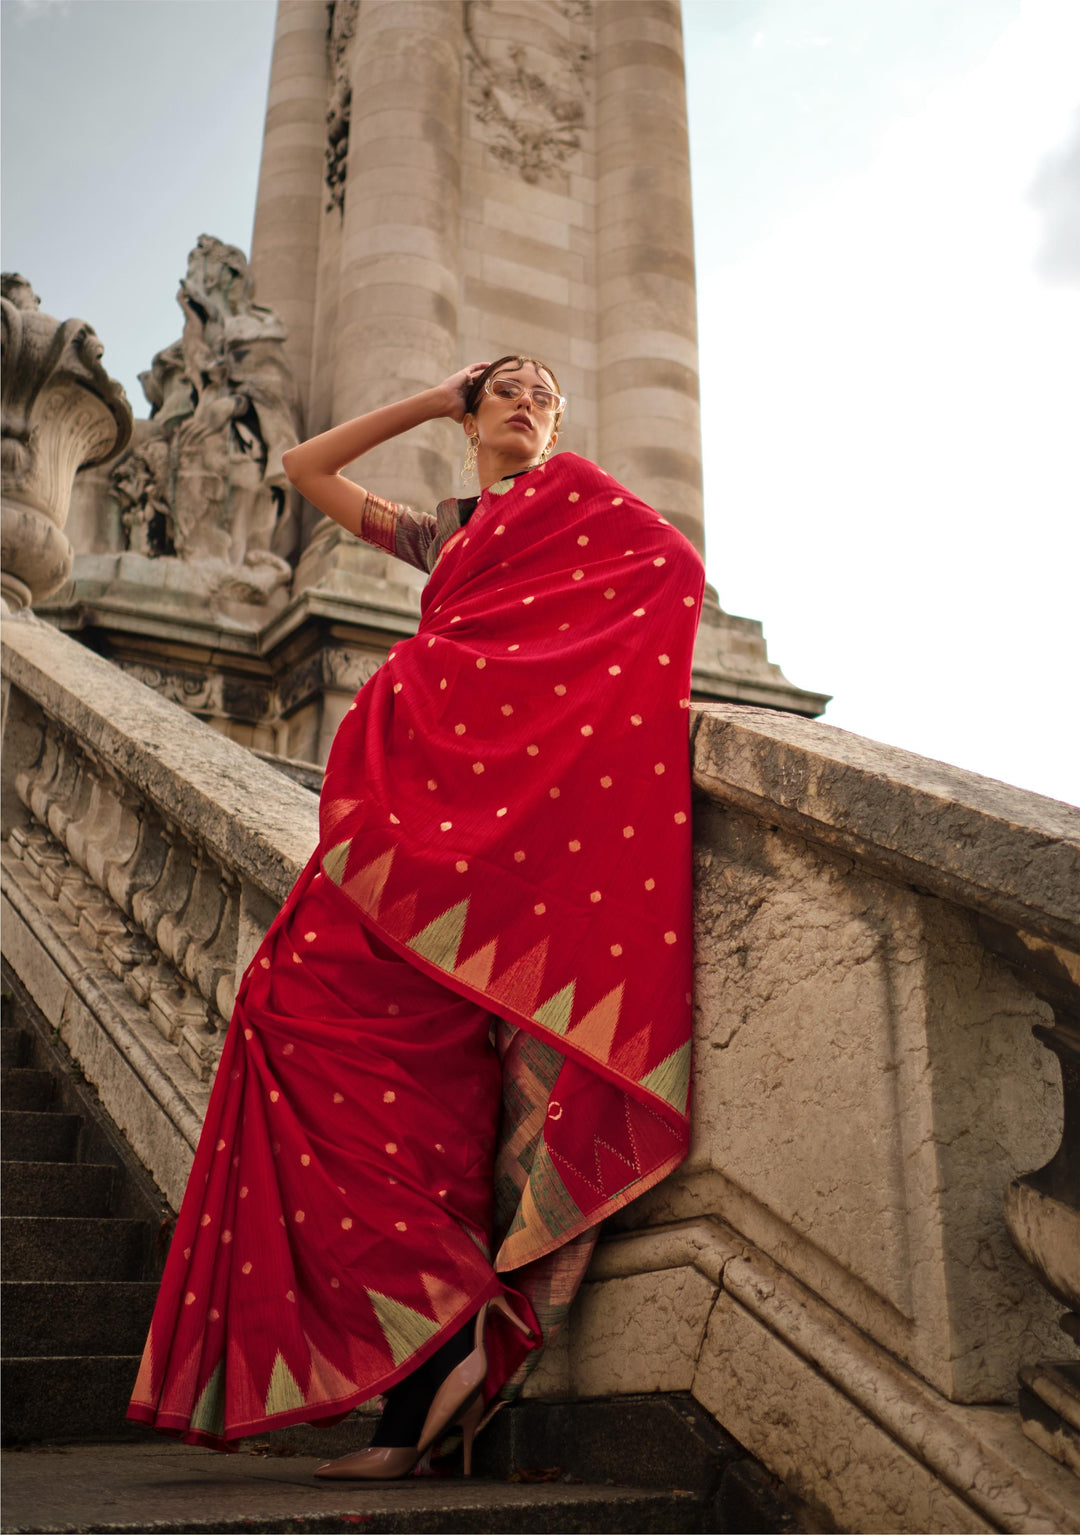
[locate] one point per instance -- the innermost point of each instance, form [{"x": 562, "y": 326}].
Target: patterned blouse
[{"x": 416, "y": 537}]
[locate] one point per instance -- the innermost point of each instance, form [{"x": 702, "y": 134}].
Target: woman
[{"x": 465, "y": 1039}]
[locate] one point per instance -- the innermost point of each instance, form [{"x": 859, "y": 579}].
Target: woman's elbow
[{"x": 290, "y": 465}]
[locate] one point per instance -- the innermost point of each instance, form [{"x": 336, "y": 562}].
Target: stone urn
[{"x": 61, "y": 413}]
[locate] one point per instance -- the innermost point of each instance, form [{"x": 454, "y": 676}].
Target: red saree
[{"x": 504, "y": 856}]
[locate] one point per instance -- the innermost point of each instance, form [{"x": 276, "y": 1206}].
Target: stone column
[
  {"x": 285, "y": 243},
  {"x": 649, "y": 417},
  {"x": 397, "y": 329}
]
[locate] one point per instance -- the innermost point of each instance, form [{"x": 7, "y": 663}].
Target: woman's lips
[{"x": 520, "y": 421}]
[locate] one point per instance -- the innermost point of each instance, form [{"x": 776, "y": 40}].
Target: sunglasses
[{"x": 546, "y": 401}]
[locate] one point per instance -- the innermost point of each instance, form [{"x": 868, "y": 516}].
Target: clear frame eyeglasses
[{"x": 545, "y": 401}]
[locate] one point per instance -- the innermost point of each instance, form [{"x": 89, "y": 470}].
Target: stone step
[
  {"x": 56, "y": 1188},
  {"x": 13, "y": 1046},
  {"x": 69, "y": 1247},
  {"x": 24, "y": 1088},
  {"x": 75, "y": 1317},
  {"x": 165, "y": 1487},
  {"x": 60, "y": 1398},
  {"x": 32, "y": 1136}
]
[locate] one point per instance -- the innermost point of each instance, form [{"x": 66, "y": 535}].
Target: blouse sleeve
[{"x": 398, "y": 529}]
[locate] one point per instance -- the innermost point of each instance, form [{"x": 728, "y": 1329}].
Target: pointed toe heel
[{"x": 459, "y": 1399}]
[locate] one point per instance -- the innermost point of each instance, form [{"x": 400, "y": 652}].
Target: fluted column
[
  {"x": 649, "y": 416},
  {"x": 397, "y": 327},
  {"x": 285, "y": 242}
]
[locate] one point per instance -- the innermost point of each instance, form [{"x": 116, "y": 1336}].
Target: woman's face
[{"x": 514, "y": 427}]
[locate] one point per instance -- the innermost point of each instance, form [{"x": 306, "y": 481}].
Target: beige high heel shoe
[{"x": 458, "y": 1400}]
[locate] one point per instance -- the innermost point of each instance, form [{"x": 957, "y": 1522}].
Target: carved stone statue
[
  {"x": 203, "y": 481},
  {"x": 61, "y": 413}
]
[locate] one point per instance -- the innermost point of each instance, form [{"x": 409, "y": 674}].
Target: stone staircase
[
  {"x": 80, "y": 1225},
  {"x": 84, "y": 1237}
]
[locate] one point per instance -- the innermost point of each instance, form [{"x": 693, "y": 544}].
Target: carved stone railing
[
  {"x": 153, "y": 854},
  {"x": 882, "y": 946},
  {"x": 830, "y": 1273}
]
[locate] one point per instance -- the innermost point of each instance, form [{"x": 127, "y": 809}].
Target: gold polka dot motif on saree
[{"x": 616, "y": 729}]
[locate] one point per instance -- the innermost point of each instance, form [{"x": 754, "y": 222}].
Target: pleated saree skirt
[{"x": 337, "y": 1225}]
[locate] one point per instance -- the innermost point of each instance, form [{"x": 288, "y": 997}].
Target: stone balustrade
[
  {"x": 145, "y": 857},
  {"x": 831, "y": 1273}
]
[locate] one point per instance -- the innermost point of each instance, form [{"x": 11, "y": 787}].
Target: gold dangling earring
[
  {"x": 469, "y": 466},
  {"x": 546, "y": 454}
]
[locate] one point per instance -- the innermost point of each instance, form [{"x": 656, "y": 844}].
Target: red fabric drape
[{"x": 504, "y": 850}]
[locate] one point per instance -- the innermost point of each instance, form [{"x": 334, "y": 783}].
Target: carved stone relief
[
  {"x": 204, "y": 481},
  {"x": 235, "y": 698},
  {"x": 196, "y": 692},
  {"x": 534, "y": 120},
  {"x": 342, "y": 25},
  {"x": 333, "y": 667}
]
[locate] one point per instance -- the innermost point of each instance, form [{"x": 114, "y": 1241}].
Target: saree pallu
[{"x": 465, "y": 1039}]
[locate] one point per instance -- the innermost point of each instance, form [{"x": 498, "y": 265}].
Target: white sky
[{"x": 889, "y": 385}]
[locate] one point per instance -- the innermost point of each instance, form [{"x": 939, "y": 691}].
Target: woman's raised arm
[{"x": 314, "y": 467}]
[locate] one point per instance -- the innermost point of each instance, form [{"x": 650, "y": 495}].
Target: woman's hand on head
[{"x": 456, "y": 387}]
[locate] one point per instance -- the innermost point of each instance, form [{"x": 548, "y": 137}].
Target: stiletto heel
[
  {"x": 459, "y": 1399},
  {"x": 502, "y": 1305},
  {"x": 470, "y": 1421}
]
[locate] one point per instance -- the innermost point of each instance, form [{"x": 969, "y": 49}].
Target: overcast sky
[{"x": 886, "y": 208}]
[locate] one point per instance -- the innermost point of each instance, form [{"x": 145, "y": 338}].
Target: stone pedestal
[{"x": 518, "y": 180}]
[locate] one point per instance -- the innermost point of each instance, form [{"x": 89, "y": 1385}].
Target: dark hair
[{"x": 513, "y": 361}]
